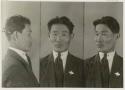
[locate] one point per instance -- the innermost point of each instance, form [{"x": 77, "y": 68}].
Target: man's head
[
  {"x": 60, "y": 33},
  {"x": 107, "y": 32},
  {"x": 18, "y": 32}
]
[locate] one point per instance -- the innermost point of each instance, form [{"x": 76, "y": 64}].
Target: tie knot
[
  {"x": 58, "y": 58},
  {"x": 104, "y": 59},
  {"x": 105, "y": 55},
  {"x": 59, "y": 54},
  {"x": 28, "y": 58},
  {"x": 26, "y": 55}
]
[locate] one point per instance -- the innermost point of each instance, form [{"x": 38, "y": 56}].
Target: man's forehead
[
  {"x": 59, "y": 26},
  {"x": 102, "y": 28},
  {"x": 58, "y": 31},
  {"x": 27, "y": 28},
  {"x": 103, "y": 31},
  {"x": 27, "y": 25}
]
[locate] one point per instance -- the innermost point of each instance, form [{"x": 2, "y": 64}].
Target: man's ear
[
  {"x": 14, "y": 36},
  {"x": 72, "y": 35},
  {"x": 117, "y": 35},
  {"x": 49, "y": 35}
]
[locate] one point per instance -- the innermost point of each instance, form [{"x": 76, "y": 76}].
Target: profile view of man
[
  {"x": 16, "y": 66},
  {"x": 61, "y": 68},
  {"x": 106, "y": 68}
]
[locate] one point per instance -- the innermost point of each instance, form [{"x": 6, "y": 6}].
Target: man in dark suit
[
  {"x": 106, "y": 68},
  {"x": 16, "y": 66},
  {"x": 61, "y": 68}
]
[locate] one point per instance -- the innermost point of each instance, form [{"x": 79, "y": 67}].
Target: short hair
[
  {"x": 110, "y": 22},
  {"x": 15, "y": 23},
  {"x": 61, "y": 20}
]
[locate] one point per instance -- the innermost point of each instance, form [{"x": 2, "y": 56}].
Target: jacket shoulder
[
  {"x": 44, "y": 59},
  {"x": 90, "y": 59},
  {"x": 120, "y": 58},
  {"x": 74, "y": 58},
  {"x": 10, "y": 62}
]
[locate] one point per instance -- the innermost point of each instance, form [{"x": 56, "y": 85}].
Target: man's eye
[
  {"x": 97, "y": 34},
  {"x": 29, "y": 34},
  {"x": 54, "y": 34},
  {"x": 63, "y": 34},
  {"x": 104, "y": 34}
]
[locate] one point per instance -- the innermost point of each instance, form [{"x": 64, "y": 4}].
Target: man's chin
[
  {"x": 102, "y": 50},
  {"x": 59, "y": 50},
  {"x": 27, "y": 49},
  {"x": 99, "y": 49}
]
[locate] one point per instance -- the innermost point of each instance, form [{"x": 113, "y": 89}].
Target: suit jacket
[
  {"x": 94, "y": 76},
  {"x": 73, "y": 74},
  {"x": 16, "y": 72}
]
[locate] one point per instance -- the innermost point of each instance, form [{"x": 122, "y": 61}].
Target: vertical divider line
[
  {"x": 40, "y": 43},
  {"x": 83, "y": 26}
]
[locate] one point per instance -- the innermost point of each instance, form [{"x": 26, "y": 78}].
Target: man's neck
[
  {"x": 107, "y": 51},
  {"x": 60, "y": 52},
  {"x": 16, "y": 47}
]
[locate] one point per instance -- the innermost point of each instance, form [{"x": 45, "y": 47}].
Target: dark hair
[
  {"x": 15, "y": 23},
  {"x": 61, "y": 20},
  {"x": 109, "y": 21}
]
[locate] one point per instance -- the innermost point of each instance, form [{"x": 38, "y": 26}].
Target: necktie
[
  {"x": 105, "y": 72},
  {"x": 29, "y": 61},
  {"x": 59, "y": 71}
]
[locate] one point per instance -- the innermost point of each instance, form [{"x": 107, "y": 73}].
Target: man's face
[
  {"x": 24, "y": 39},
  {"x": 105, "y": 39},
  {"x": 60, "y": 37}
]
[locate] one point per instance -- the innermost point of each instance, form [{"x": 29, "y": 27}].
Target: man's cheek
[
  {"x": 66, "y": 40},
  {"x": 109, "y": 41}
]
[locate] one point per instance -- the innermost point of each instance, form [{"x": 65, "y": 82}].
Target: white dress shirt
[
  {"x": 20, "y": 53},
  {"x": 63, "y": 57},
  {"x": 110, "y": 57}
]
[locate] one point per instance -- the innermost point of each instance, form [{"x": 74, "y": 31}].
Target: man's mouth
[
  {"x": 58, "y": 45},
  {"x": 99, "y": 45}
]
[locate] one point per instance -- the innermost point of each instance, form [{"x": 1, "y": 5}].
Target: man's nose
[
  {"x": 58, "y": 38},
  {"x": 99, "y": 38}
]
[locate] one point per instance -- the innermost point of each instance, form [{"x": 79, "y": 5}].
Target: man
[
  {"x": 16, "y": 67},
  {"x": 106, "y": 68},
  {"x": 61, "y": 68}
]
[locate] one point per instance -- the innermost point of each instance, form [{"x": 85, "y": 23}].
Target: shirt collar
[
  {"x": 20, "y": 52},
  {"x": 110, "y": 55},
  {"x": 63, "y": 55}
]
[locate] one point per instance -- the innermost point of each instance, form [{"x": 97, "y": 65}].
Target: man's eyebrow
[
  {"x": 102, "y": 31},
  {"x": 57, "y": 31},
  {"x": 65, "y": 31},
  {"x": 54, "y": 31}
]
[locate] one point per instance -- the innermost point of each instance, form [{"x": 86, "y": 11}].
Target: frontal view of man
[
  {"x": 106, "y": 68},
  {"x": 61, "y": 68},
  {"x": 16, "y": 66}
]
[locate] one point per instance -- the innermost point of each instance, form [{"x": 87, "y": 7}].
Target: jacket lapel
[
  {"x": 20, "y": 59},
  {"x": 50, "y": 73},
  {"x": 95, "y": 72},
  {"x": 68, "y": 63},
  {"x": 116, "y": 75},
  {"x": 115, "y": 64},
  {"x": 69, "y": 73}
]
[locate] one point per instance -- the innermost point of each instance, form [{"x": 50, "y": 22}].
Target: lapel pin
[
  {"x": 117, "y": 74},
  {"x": 71, "y": 72}
]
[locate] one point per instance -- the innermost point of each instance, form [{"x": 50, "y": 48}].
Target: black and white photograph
[{"x": 62, "y": 44}]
